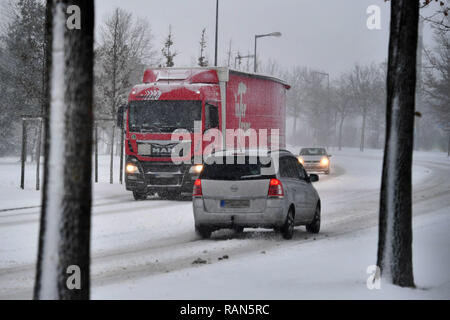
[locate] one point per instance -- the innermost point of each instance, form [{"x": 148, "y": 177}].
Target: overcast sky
[{"x": 330, "y": 35}]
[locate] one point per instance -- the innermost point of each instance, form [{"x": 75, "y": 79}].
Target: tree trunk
[
  {"x": 341, "y": 124},
  {"x": 38, "y": 155},
  {"x": 448, "y": 147},
  {"x": 64, "y": 238},
  {"x": 295, "y": 123},
  {"x": 377, "y": 134},
  {"x": 23, "y": 157},
  {"x": 395, "y": 229},
  {"x": 96, "y": 151},
  {"x": 33, "y": 144},
  {"x": 111, "y": 160},
  {"x": 363, "y": 130},
  {"x": 121, "y": 155}
]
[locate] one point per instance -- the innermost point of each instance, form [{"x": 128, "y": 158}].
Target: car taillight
[
  {"x": 275, "y": 188},
  {"x": 197, "y": 192}
]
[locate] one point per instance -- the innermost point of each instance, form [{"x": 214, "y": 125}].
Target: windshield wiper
[
  {"x": 250, "y": 176},
  {"x": 173, "y": 128},
  {"x": 150, "y": 128}
]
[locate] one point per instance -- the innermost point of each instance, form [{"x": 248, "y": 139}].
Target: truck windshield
[{"x": 164, "y": 115}]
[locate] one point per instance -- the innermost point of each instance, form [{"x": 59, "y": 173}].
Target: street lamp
[
  {"x": 216, "y": 36},
  {"x": 273, "y": 34},
  {"x": 328, "y": 78}
]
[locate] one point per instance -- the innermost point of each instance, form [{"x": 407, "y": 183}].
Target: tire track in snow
[
  {"x": 146, "y": 259},
  {"x": 135, "y": 206}
]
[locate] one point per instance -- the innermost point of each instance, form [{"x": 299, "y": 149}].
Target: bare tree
[
  {"x": 270, "y": 67},
  {"x": 64, "y": 238},
  {"x": 124, "y": 50},
  {"x": 229, "y": 54},
  {"x": 394, "y": 255},
  {"x": 202, "y": 61},
  {"x": 437, "y": 81},
  {"x": 364, "y": 82},
  {"x": 21, "y": 69},
  {"x": 439, "y": 19},
  {"x": 296, "y": 96},
  {"x": 167, "y": 52},
  {"x": 343, "y": 103}
]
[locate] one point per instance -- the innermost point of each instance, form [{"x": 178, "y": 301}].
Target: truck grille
[
  {"x": 164, "y": 181},
  {"x": 161, "y": 167}
]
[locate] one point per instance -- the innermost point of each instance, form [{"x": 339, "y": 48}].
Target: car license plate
[{"x": 235, "y": 203}]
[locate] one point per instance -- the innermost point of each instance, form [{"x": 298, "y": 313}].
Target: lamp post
[
  {"x": 272, "y": 34},
  {"x": 217, "y": 27}
]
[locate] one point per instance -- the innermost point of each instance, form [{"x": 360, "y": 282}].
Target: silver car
[
  {"x": 237, "y": 190},
  {"x": 315, "y": 159}
]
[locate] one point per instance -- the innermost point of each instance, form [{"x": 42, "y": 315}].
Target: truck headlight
[
  {"x": 196, "y": 169},
  {"x": 131, "y": 168},
  {"x": 300, "y": 159},
  {"x": 324, "y": 161}
]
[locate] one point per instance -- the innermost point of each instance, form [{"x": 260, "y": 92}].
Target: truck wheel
[
  {"x": 314, "y": 226},
  {"x": 169, "y": 195},
  {"x": 287, "y": 230},
  {"x": 139, "y": 195},
  {"x": 173, "y": 195},
  {"x": 203, "y": 232}
]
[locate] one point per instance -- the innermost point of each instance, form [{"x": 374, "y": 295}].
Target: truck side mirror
[{"x": 120, "y": 112}]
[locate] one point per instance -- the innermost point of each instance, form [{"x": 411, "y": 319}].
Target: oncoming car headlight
[
  {"x": 300, "y": 159},
  {"x": 131, "y": 168},
  {"x": 324, "y": 161},
  {"x": 196, "y": 169}
]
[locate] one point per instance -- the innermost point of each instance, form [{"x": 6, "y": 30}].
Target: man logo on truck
[{"x": 162, "y": 149}]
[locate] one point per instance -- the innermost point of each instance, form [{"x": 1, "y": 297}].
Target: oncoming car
[
  {"x": 238, "y": 190},
  {"x": 315, "y": 159}
]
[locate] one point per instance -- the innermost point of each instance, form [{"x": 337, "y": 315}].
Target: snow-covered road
[{"x": 134, "y": 240}]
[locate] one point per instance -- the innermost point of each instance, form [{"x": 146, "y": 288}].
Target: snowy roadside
[
  {"x": 146, "y": 239},
  {"x": 329, "y": 268}
]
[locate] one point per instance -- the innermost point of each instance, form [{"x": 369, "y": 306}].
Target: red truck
[{"x": 195, "y": 101}]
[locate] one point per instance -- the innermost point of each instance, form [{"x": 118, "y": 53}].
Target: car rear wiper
[{"x": 250, "y": 176}]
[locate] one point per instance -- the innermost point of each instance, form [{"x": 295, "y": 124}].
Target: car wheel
[
  {"x": 314, "y": 226},
  {"x": 203, "y": 232},
  {"x": 287, "y": 230},
  {"x": 139, "y": 196}
]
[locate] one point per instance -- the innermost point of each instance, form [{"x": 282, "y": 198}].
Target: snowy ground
[{"x": 145, "y": 249}]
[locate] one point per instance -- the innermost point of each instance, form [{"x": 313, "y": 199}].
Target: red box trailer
[{"x": 193, "y": 100}]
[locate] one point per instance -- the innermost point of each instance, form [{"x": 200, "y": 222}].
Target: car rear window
[{"x": 220, "y": 170}]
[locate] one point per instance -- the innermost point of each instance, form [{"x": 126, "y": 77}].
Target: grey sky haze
[{"x": 330, "y": 35}]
